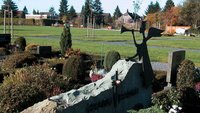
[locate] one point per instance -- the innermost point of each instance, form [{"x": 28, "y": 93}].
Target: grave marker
[
  {"x": 5, "y": 39},
  {"x": 44, "y": 51},
  {"x": 174, "y": 60}
]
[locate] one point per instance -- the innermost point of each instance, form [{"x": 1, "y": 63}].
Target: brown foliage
[
  {"x": 29, "y": 85},
  {"x": 32, "y": 48},
  {"x": 171, "y": 17},
  {"x": 18, "y": 60}
]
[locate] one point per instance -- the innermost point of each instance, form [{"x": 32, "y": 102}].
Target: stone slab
[
  {"x": 44, "y": 51},
  {"x": 98, "y": 97},
  {"x": 5, "y": 39},
  {"x": 174, "y": 60}
]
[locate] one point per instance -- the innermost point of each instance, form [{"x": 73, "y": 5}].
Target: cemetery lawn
[{"x": 106, "y": 40}]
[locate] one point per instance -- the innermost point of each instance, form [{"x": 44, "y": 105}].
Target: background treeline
[
  {"x": 23, "y": 21},
  {"x": 187, "y": 13}
]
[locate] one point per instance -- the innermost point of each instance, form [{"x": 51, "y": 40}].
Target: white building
[
  {"x": 42, "y": 15},
  {"x": 36, "y": 16}
]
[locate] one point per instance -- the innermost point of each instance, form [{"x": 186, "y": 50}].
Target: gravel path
[{"x": 159, "y": 66}]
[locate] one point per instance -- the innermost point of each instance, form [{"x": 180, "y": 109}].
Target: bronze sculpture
[{"x": 142, "y": 50}]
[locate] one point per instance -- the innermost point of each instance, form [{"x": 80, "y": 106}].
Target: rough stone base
[{"x": 99, "y": 97}]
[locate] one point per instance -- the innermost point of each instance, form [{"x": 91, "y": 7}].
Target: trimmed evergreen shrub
[
  {"x": 18, "y": 60},
  {"x": 20, "y": 43},
  {"x": 186, "y": 75},
  {"x": 73, "y": 68},
  {"x": 28, "y": 86},
  {"x": 110, "y": 59},
  {"x": 65, "y": 40}
]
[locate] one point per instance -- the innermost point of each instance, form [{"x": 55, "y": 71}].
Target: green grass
[{"x": 96, "y": 45}]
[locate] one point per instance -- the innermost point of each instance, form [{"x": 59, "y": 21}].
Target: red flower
[{"x": 96, "y": 77}]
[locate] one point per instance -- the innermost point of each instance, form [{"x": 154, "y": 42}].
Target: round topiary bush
[
  {"x": 110, "y": 59},
  {"x": 18, "y": 60},
  {"x": 65, "y": 40},
  {"x": 73, "y": 68},
  {"x": 186, "y": 75},
  {"x": 20, "y": 43}
]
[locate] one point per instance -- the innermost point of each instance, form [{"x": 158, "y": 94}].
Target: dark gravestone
[
  {"x": 174, "y": 60},
  {"x": 5, "y": 39},
  {"x": 44, "y": 51}
]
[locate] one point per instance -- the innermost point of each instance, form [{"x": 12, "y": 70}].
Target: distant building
[
  {"x": 176, "y": 29},
  {"x": 36, "y": 16},
  {"x": 50, "y": 15},
  {"x": 42, "y": 15}
]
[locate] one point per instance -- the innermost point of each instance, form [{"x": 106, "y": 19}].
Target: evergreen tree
[
  {"x": 83, "y": 15},
  {"x": 190, "y": 13},
  {"x": 52, "y": 11},
  {"x": 117, "y": 13},
  {"x": 63, "y": 8},
  {"x": 87, "y": 11},
  {"x": 136, "y": 6},
  {"x": 88, "y": 7},
  {"x": 157, "y": 7},
  {"x": 10, "y": 5},
  {"x": 98, "y": 12},
  {"x": 72, "y": 13},
  {"x": 34, "y": 12},
  {"x": 153, "y": 8},
  {"x": 82, "y": 10},
  {"x": 24, "y": 12},
  {"x": 108, "y": 19},
  {"x": 65, "y": 39},
  {"x": 38, "y": 12},
  {"x": 168, "y": 5}
]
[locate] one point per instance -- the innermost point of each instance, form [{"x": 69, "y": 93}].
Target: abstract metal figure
[{"x": 142, "y": 51}]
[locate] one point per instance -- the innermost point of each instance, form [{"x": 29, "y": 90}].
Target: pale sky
[{"x": 107, "y": 5}]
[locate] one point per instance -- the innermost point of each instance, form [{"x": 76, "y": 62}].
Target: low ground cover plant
[{"x": 18, "y": 60}]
